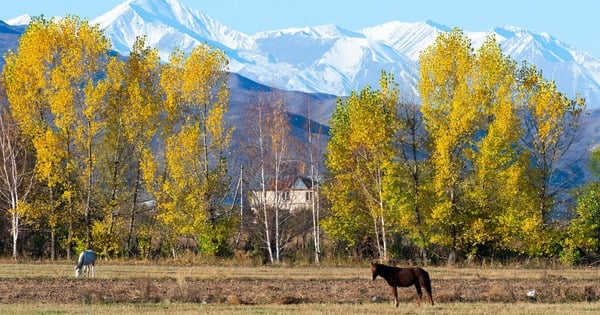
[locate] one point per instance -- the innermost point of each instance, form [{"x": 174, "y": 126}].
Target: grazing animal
[
  {"x": 404, "y": 277},
  {"x": 85, "y": 263}
]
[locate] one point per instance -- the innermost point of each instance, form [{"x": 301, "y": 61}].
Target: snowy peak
[
  {"x": 20, "y": 20},
  {"x": 327, "y": 31},
  {"x": 408, "y": 38},
  {"x": 329, "y": 58},
  {"x": 522, "y": 44},
  {"x": 167, "y": 25}
]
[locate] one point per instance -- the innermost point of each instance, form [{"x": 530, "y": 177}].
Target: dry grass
[
  {"x": 165, "y": 289},
  {"x": 303, "y": 309},
  {"x": 111, "y": 270}
]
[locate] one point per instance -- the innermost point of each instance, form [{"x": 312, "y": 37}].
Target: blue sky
[{"x": 575, "y": 22}]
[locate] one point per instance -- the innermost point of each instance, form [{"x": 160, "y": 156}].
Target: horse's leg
[
  {"x": 419, "y": 293},
  {"x": 92, "y": 266},
  {"x": 395, "y": 294},
  {"x": 430, "y": 297}
]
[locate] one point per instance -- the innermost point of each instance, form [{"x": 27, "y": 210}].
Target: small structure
[{"x": 294, "y": 194}]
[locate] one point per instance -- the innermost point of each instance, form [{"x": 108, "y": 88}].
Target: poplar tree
[
  {"x": 134, "y": 103},
  {"x": 50, "y": 80},
  {"x": 551, "y": 123},
  {"x": 451, "y": 118},
  {"x": 360, "y": 157},
  {"x": 497, "y": 191},
  {"x": 194, "y": 180}
]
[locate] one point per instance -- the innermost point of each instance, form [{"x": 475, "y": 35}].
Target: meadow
[{"x": 129, "y": 288}]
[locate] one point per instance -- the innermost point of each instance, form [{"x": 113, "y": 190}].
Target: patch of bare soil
[{"x": 550, "y": 290}]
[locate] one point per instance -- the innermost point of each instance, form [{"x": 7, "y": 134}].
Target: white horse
[{"x": 85, "y": 262}]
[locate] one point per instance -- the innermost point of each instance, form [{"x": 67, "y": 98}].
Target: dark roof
[{"x": 292, "y": 183}]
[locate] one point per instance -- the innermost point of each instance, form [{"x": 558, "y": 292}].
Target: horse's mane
[{"x": 384, "y": 269}]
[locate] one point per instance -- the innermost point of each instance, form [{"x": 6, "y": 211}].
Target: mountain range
[
  {"x": 312, "y": 66},
  {"x": 329, "y": 58}
]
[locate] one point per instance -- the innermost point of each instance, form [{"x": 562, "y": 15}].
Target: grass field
[
  {"x": 383, "y": 309},
  {"x": 118, "y": 288}
]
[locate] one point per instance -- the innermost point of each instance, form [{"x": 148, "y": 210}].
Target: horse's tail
[{"x": 427, "y": 284}]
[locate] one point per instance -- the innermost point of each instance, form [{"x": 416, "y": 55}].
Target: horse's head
[
  {"x": 374, "y": 270},
  {"x": 77, "y": 272}
]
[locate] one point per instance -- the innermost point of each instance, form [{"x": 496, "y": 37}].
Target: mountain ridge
[{"x": 331, "y": 59}]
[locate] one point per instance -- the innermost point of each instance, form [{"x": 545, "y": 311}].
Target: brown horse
[{"x": 404, "y": 277}]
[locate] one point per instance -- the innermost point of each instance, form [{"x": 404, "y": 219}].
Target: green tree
[
  {"x": 410, "y": 182},
  {"x": 583, "y": 233}
]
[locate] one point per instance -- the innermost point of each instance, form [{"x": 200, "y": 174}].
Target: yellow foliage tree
[
  {"x": 50, "y": 83},
  {"x": 195, "y": 179},
  {"x": 360, "y": 158},
  {"x": 451, "y": 118}
]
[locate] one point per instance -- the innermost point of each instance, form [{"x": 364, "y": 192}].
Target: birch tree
[
  {"x": 16, "y": 174},
  {"x": 269, "y": 148}
]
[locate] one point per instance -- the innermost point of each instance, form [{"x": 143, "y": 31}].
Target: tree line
[
  {"x": 122, "y": 151},
  {"x": 132, "y": 157},
  {"x": 476, "y": 171}
]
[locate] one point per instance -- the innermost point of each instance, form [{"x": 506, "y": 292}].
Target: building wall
[{"x": 291, "y": 200}]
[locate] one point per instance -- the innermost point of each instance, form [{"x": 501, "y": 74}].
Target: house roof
[{"x": 293, "y": 183}]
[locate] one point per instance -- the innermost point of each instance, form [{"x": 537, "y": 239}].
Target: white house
[{"x": 294, "y": 194}]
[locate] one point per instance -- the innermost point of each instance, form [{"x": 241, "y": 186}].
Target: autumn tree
[
  {"x": 360, "y": 156},
  {"x": 50, "y": 80},
  {"x": 133, "y": 98},
  {"x": 496, "y": 191},
  {"x": 551, "y": 123},
  {"x": 451, "y": 118},
  {"x": 192, "y": 180}
]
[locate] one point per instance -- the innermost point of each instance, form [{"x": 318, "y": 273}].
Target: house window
[
  {"x": 285, "y": 195},
  {"x": 308, "y": 195}
]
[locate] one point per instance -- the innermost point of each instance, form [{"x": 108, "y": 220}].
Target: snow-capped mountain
[
  {"x": 331, "y": 59},
  {"x": 167, "y": 25}
]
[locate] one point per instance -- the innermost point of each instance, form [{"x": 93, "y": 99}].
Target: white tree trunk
[
  {"x": 15, "y": 179},
  {"x": 263, "y": 185}
]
